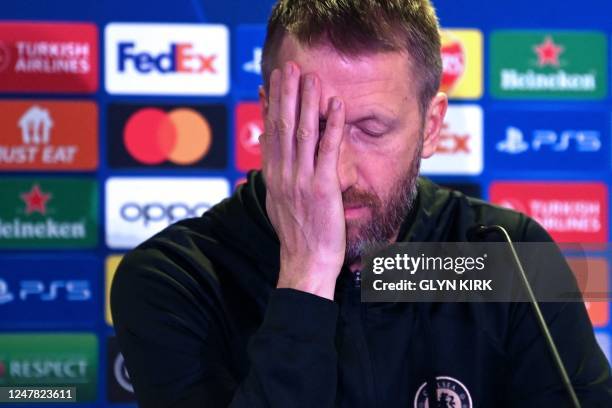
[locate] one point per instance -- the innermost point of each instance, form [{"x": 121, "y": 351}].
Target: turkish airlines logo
[
  {"x": 5, "y": 56},
  {"x": 182, "y": 136},
  {"x": 137, "y": 208},
  {"x": 181, "y": 59},
  {"x": 569, "y": 211},
  {"x": 592, "y": 278},
  {"x": 48, "y": 57},
  {"x": 460, "y": 146}
]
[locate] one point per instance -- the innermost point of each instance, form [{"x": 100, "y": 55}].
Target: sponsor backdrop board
[{"x": 119, "y": 118}]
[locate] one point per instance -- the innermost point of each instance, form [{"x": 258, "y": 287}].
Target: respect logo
[{"x": 60, "y": 360}]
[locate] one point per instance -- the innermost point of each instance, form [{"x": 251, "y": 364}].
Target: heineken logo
[
  {"x": 35, "y": 200},
  {"x": 45, "y": 214},
  {"x": 548, "y": 52},
  {"x": 554, "y": 65}
]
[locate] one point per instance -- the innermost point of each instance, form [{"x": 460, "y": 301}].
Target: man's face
[{"x": 384, "y": 137}]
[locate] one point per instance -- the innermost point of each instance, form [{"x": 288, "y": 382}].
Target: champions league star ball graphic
[
  {"x": 451, "y": 394},
  {"x": 453, "y": 61}
]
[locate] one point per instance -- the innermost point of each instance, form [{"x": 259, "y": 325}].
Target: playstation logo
[
  {"x": 254, "y": 66},
  {"x": 513, "y": 143}
]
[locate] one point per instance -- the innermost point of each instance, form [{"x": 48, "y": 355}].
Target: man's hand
[{"x": 304, "y": 200}]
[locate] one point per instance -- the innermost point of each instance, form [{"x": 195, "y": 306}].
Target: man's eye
[{"x": 372, "y": 133}]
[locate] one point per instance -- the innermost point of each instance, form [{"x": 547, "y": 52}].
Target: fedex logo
[
  {"x": 168, "y": 59},
  {"x": 450, "y": 143},
  {"x": 180, "y": 58},
  {"x": 460, "y": 147}
]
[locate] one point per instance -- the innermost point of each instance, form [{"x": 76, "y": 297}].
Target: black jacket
[{"x": 200, "y": 324}]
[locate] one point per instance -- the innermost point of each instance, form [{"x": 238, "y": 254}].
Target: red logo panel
[
  {"x": 48, "y": 57},
  {"x": 592, "y": 277},
  {"x": 249, "y": 125},
  {"x": 569, "y": 211}
]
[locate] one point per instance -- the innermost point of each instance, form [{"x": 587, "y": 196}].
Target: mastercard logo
[{"x": 181, "y": 136}]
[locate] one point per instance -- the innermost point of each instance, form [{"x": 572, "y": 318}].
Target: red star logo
[
  {"x": 548, "y": 52},
  {"x": 35, "y": 200}
]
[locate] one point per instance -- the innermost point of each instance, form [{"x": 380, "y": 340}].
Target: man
[{"x": 257, "y": 302}]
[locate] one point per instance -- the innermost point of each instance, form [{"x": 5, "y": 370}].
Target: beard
[{"x": 386, "y": 216}]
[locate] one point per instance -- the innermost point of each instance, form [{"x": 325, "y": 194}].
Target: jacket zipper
[{"x": 360, "y": 308}]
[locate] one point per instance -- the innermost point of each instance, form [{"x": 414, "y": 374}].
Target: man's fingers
[
  {"x": 289, "y": 90},
  {"x": 329, "y": 143},
  {"x": 307, "y": 133},
  {"x": 269, "y": 140}
]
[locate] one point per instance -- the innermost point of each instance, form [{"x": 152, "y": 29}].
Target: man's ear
[
  {"x": 434, "y": 121},
  {"x": 263, "y": 101}
]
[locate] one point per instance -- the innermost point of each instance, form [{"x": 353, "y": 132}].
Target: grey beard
[{"x": 385, "y": 223}]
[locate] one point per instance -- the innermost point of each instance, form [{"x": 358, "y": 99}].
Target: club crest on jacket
[{"x": 451, "y": 394}]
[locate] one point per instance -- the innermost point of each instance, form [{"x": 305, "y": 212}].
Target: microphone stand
[{"x": 481, "y": 230}]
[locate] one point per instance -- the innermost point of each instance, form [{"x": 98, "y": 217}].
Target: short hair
[{"x": 356, "y": 26}]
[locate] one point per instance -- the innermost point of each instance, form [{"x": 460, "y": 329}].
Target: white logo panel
[
  {"x": 460, "y": 150},
  {"x": 137, "y": 208},
  {"x": 168, "y": 59}
]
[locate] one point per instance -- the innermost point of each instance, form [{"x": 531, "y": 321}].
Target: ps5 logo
[
  {"x": 5, "y": 295},
  {"x": 550, "y": 140},
  {"x": 254, "y": 66},
  {"x": 70, "y": 290}
]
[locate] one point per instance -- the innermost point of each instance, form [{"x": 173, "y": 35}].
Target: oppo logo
[{"x": 157, "y": 212}]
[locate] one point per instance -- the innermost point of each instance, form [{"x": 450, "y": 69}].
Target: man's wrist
[{"x": 317, "y": 279}]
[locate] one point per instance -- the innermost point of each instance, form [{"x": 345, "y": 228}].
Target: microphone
[{"x": 476, "y": 233}]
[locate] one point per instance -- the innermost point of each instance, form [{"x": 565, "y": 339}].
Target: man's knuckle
[
  {"x": 270, "y": 126},
  {"x": 326, "y": 146},
  {"x": 283, "y": 126},
  {"x": 303, "y": 134}
]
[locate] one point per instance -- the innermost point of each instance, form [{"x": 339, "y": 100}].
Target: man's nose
[{"x": 347, "y": 164}]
